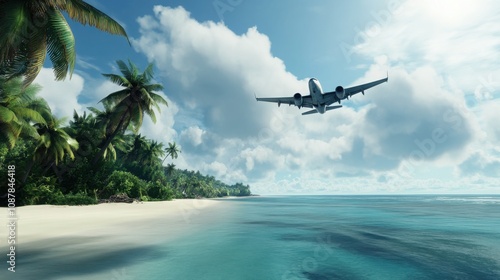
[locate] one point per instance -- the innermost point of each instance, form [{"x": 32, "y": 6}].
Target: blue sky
[{"x": 431, "y": 129}]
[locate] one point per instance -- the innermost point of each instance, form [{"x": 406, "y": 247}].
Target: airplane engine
[
  {"x": 339, "y": 91},
  {"x": 297, "y": 99}
]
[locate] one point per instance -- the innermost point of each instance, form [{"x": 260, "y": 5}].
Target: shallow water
[
  {"x": 340, "y": 237},
  {"x": 322, "y": 237}
]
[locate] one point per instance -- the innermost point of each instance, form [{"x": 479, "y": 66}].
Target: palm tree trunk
[
  {"x": 47, "y": 168},
  {"x": 164, "y": 159},
  {"x": 110, "y": 138},
  {"x": 28, "y": 171}
]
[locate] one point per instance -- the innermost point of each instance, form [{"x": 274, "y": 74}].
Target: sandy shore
[
  {"x": 73, "y": 234},
  {"x": 36, "y": 223}
]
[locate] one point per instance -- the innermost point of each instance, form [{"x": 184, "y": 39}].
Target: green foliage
[
  {"x": 190, "y": 184},
  {"x": 82, "y": 176},
  {"x": 45, "y": 191},
  {"x": 92, "y": 157},
  {"x": 54, "y": 143},
  {"x": 75, "y": 199},
  {"x": 160, "y": 192},
  {"x": 124, "y": 182},
  {"x": 42, "y": 191},
  {"x": 32, "y": 29},
  {"x": 19, "y": 107},
  {"x": 130, "y": 104}
]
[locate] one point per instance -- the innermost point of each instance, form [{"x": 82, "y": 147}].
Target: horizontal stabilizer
[
  {"x": 310, "y": 112},
  {"x": 333, "y": 107}
]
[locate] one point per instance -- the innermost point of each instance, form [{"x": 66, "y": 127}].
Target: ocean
[
  {"x": 337, "y": 237},
  {"x": 296, "y": 237}
]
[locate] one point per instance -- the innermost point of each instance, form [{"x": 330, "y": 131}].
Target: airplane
[{"x": 320, "y": 100}]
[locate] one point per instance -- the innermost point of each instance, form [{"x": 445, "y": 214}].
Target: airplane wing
[
  {"x": 306, "y": 100},
  {"x": 332, "y": 97}
]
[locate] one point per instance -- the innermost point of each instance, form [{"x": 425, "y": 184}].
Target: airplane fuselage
[{"x": 316, "y": 93}]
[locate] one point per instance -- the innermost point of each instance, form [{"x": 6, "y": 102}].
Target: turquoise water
[
  {"x": 340, "y": 237},
  {"x": 298, "y": 237}
]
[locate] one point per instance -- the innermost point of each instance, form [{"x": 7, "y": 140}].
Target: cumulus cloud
[
  {"x": 416, "y": 112},
  {"x": 163, "y": 130},
  {"x": 418, "y": 118},
  {"x": 448, "y": 85},
  {"x": 461, "y": 36},
  {"x": 213, "y": 69},
  {"x": 62, "y": 96},
  {"x": 193, "y": 135},
  {"x": 481, "y": 164}
]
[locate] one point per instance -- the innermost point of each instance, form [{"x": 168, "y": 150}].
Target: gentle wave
[{"x": 476, "y": 200}]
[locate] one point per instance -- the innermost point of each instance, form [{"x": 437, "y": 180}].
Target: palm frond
[
  {"x": 94, "y": 110},
  {"x": 8, "y": 134},
  {"x": 86, "y": 14},
  {"x": 136, "y": 117},
  {"x": 154, "y": 87},
  {"x": 133, "y": 68},
  {"x": 151, "y": 113},
  {"x": 117, "y": 79},
  {"x": 112, "y": 152},
  {"x": 6, "y": 115},
  {"x": 13, "y": 23},
  {"x": 159, "y": 99},
  {"x": 115, "y": 97},
  {"x": 148, "y": 73},
  {"x": 124, "y": 69},
  {"x": 35, "y": 55},
  {"x": 61, "y": 45},
  {"x": 31, "y": 115}
]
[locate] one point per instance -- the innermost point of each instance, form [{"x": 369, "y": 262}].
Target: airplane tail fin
[
  {"x": 333, "y": 107},
  {"x": 310, "y": 112}
]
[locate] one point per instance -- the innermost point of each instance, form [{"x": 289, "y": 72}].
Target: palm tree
[
  {"x": 172, "y": 151},
  {"x": 119, "y": 142},
  {"x": 18, "y": 107},
  {"x": 32, "y": 28},
  {"x": 82, "y": 127},
  {"x": 138, "y": 144},
  {"x": 154, "y": 151},
  {"x": 103, "y": 117},
  {"x": 131, "y": 103},
  {"x": 145, "y": 151},
  {"x": 169, "y": 169},
  {"x": 53, "y": 145}
]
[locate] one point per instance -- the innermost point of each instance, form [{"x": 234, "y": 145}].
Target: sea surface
[
  {"x": 316, "y": 237},
  {"x": 339, "y": 237}
]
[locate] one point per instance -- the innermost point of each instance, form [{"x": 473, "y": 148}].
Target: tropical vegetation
[
  {"x": 56, "y": 163},
  {"x": 33, "y": 28},
  {"x": 98, "y": 153}
]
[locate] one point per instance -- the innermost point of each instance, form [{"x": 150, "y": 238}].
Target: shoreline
[
  {"x": 52, "y": 238},
  {"x": 36, "y": 222}
]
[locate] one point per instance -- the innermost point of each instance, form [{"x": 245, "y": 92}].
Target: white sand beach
[{"x": 49, "y": 235}]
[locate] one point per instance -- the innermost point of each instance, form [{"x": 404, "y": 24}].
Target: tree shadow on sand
[{"x": 57, "y": 258}]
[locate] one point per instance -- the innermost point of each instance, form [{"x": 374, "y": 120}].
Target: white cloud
[
  {"x": 419, "y": 119},
  {"x": 460, "y": 38},
  {"x": 193, "y": 135},
  {"x": 214, "y": 70},
  {"x": 103, "y": 89},
  {"x": 163, "y": 130},
  {"x": 456, "y": 43},
  {"x": 62, "y": 96}
]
